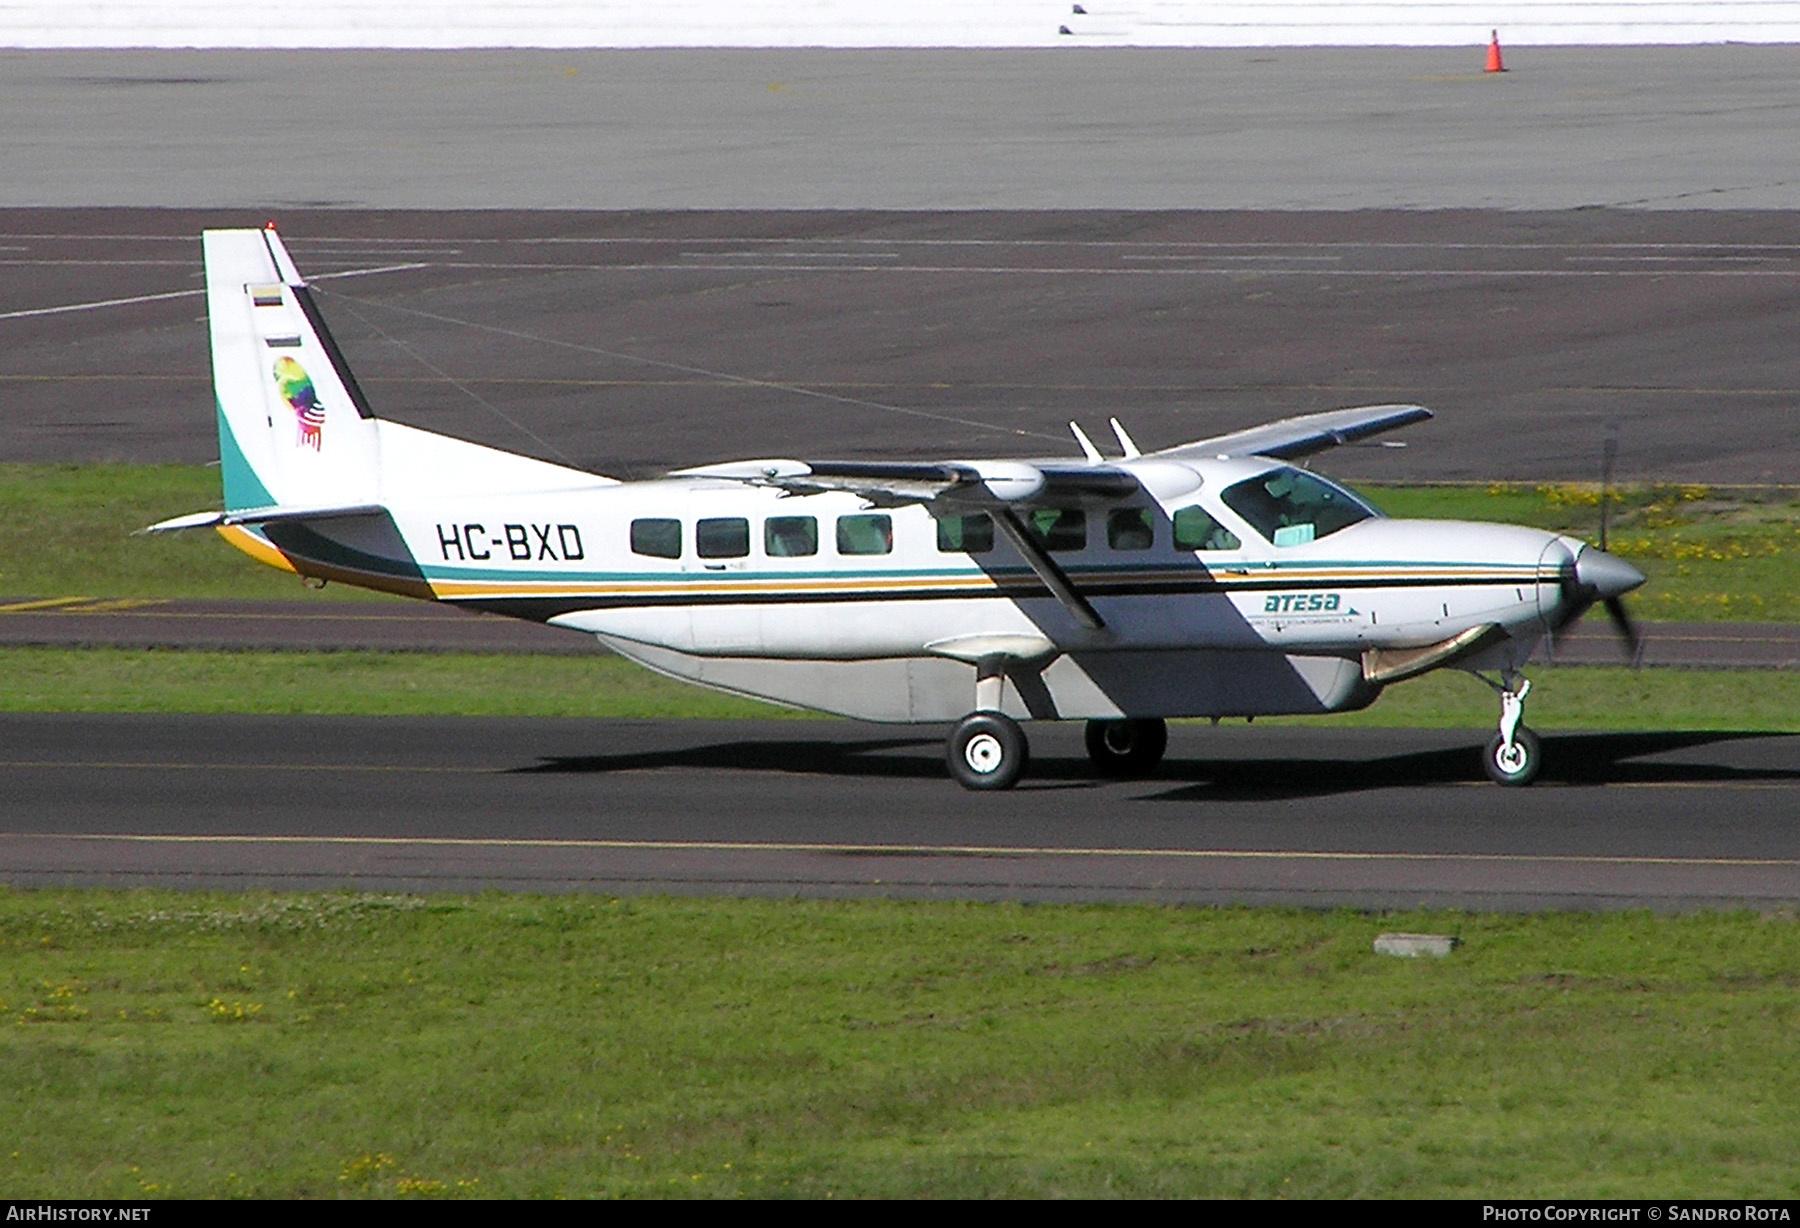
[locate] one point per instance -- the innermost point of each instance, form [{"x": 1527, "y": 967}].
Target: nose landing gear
[{"x": 1513, "y": 757}]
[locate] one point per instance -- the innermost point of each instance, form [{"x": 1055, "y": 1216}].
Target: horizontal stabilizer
[
  {"x": 261, "y": 515},
  {"x": 195, "y": 520}
]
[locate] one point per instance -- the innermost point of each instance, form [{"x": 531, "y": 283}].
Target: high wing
[
  {"x": 987, "y": 483},
  {"x": 1304, "y": 435},
  {"x": 975, "y": 484}
]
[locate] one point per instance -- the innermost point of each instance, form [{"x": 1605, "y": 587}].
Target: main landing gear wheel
[
  {"x": 1516, "y": 764},
  {"x": 987, "y": 751},
  {"x": 1127, "y": 749}
]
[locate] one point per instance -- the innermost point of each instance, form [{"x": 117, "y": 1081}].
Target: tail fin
[
  {"x": 294, "y": 428},
  {"x": 310, "y": 473}
]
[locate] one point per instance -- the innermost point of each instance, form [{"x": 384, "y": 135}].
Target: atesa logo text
[{"x": 1301, "y": 603}]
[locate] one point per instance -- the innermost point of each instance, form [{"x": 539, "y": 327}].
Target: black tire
[
  {"x": 1127, "y": 749},
  {"x": 1522, "y": 767},
  {"x": 987, "y": 751}
]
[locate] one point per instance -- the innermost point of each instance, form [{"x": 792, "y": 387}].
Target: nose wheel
[
  {"x": 1513, "y": 757},
  {"x": 987, "y": 751},
  {"x": 1516, "y": 764}
]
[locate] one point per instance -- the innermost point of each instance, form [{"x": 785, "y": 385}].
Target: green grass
[
  {"x": 276, "y": 1046},
  {"x": 400, "y": 684},
  {"x": 70, "y": 530},
  {"x": 351, "y": 683},
  {"x": 1710, "y": 553}
]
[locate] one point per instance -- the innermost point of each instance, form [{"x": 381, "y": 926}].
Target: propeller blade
[
  {"x": 1609, "y": 451},
  {"x": 1628, "y": 631}
]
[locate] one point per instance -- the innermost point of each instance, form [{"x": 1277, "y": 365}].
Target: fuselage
[{"x": 708, "y": 568}]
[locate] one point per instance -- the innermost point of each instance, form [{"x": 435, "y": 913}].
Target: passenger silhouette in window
[
  {"x": 1291, "y": 507},
  {"x": 1060, "y": 528},
  {"x": 790, "y": 537},
  {"x": 1129, "y": 528},
  {"x": 1195, "y": 529},
  {"x": 865, "y": 534},
  {"x": 971, "y": 534}
]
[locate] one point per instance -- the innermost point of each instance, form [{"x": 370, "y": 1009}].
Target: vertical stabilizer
[{"x": 294, "y": 428}]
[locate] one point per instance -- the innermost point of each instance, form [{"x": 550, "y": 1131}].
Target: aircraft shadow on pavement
[
  {"x": 789, "y": 756},
  {"x": 1587, "y": 759}
]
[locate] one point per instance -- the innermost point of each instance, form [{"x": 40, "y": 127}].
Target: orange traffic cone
[{"x": 1494, "y": 63}]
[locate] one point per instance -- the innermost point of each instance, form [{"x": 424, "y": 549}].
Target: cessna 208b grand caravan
[{"x": 1212, "y": 579}]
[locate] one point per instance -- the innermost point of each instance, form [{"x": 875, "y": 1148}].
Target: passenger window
[
  {"x": 1129, "y": 528},
  {"x": 1060, "y": 528},
  {"x": 790, "y": 537},
  {"x": 1195, "y": 529},
  {"x": 865, "y": 534},
  {"x": 723, "y": 537},
  {"x": 972, "y": 534},
  {"x": 659, "y": 539}
]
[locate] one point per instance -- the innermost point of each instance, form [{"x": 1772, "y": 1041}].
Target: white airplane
[{"x": 1213, "y": 579}]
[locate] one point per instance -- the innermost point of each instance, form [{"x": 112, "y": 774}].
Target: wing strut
[{"x": 1053, "y": 576}]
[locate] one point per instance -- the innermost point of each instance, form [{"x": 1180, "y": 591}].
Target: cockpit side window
[{"x": 1291, "y": 507}]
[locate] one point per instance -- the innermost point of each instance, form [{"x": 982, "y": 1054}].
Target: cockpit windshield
[{"x": 1291, "y": 507}]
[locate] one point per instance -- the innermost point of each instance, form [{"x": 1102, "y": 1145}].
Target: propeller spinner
[{"x": 1594, "y": 577}]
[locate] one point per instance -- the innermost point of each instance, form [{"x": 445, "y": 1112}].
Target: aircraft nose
[{"x": 1606, "y": 575}]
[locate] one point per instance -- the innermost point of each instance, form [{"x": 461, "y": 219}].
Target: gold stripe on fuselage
[{"x": 901, "y": 586}]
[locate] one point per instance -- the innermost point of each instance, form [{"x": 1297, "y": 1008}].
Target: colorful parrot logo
[{"x": 309, "y": 412}]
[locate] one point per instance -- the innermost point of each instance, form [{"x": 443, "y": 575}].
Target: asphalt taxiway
[
  {"x": 633, "y": 343},
  {"x": 1379, "y": 819}
]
